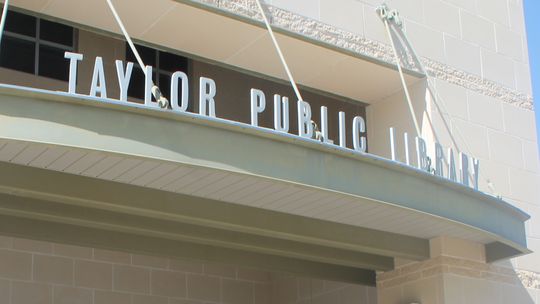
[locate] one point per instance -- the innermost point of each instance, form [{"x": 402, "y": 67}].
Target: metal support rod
[
  {"x": 402, "y": 77},
  {"x": 385, "y": 16},
  {"x": 278, "y": 49},
  {"x": 126, "y": 35},
  {"x": 3, "y": 21},
  {"x": 156, "y": 92}
]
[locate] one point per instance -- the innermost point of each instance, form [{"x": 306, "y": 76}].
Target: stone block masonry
[{"x": 37, "y": 272}]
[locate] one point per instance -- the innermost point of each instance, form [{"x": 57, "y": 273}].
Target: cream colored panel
[
  {"x": 359, "y": 79},
  {"x": 137, "y": 15},
  {"x": 47, "y": 157},
  {"x": 170, "y": 177},
  {"x": 82, "y": 12},
  {"x": 120, "y": 168},
  {"x": 11, "y": 150},
  {"x": 153, "y": 174},
  {"x": 66, "y": 160},
  {"x": 305, "y": 64},
  {"x": 224, "y": 183},
  {"x": 198, "y": 32},
  {"x": 85, "y": 162},
  {"x": 34, "y": 5},
  {"x": 137, "y": 171},
  {"x": 101, "y": 166},
  {"x": 28, "y": 154}
]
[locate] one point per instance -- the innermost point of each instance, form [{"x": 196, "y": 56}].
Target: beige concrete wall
[
  {"x": 483, "y": 37},
  {"x": 394, "y": 112},
  {"x": 456, "y": 274},
  {"x": 453, "y": 280},
  {"x": 47, "y": 273},
  {"x": 502, "y": 136},
  {"x": 36, "y": 272}
]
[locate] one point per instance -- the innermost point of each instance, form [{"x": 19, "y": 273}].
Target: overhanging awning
[{"x": 147, "y": 177}]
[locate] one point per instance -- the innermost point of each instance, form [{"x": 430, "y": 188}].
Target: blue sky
[{"x": 532, "y": 10}]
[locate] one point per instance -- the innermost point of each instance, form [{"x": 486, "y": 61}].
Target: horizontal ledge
[
  {"x": 82, "y": 236},
  {"x": 497, "y": 251},
  {"x": 238, "y": 127},
  {"x": 165, "y": 229},
  {"x": 286, "y": 32},
  {"x": 87, "y": 192},
  {"x": 70, "y": 122}
]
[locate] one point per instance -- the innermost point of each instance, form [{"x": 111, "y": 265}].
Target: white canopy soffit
[{"x": 193, "y": 28}]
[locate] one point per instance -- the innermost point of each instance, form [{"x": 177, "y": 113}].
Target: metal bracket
[{"x": 391, "y": 15}]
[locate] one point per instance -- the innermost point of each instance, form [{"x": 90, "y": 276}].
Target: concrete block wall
[
  {"x": 446, "y": 279},
  {"x": 483, "y": 37},
  {"x": 456, "y": 273},
  {"x": 37, "y": 272}
]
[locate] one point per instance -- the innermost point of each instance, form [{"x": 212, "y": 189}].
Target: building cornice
[
  {"x": 448, "y": 265},
  {"x": 344, "y": 41},
  {"x": 529, "y": 279}
]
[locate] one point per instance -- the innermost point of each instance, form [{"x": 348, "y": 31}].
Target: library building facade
[{"x": 267, "y": 152}]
